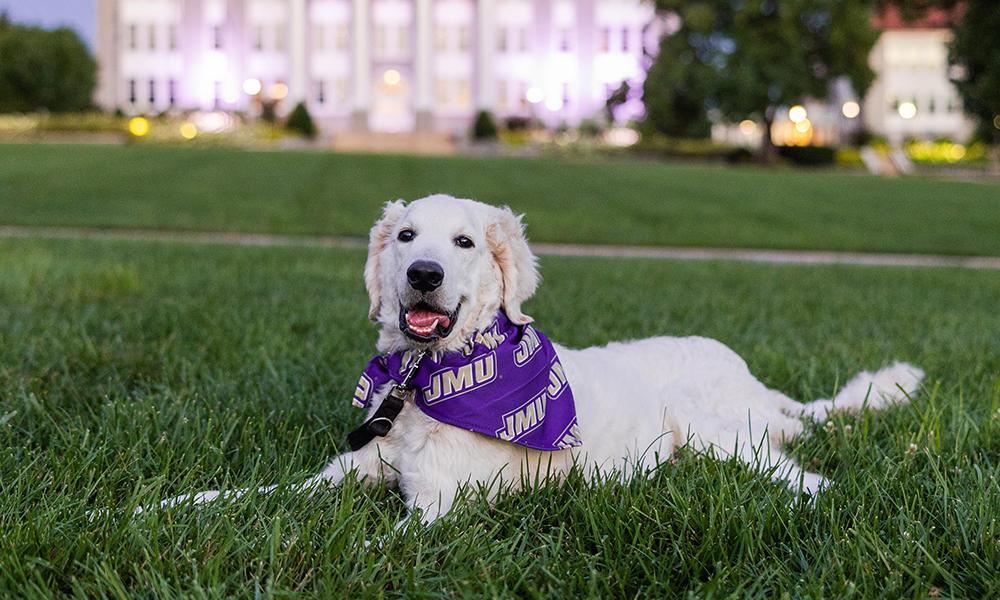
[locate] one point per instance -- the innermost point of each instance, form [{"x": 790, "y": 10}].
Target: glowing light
[
  {"x": 212, "y": 122},
  {"x": 956, "y": 152},
  {"x": 621, "y": 136},
  {"x": 392, "y": 77},
  {"x": 797, "y": 113},
  {"x": 748, "y": 127},
  {"x": 907, "y": 110},
  {"x": 534, "y": 95},
  {"x": 189, "y": 131},
  {"x": 252, "y": 87},
  {"x": 138, "y": 126},
  {"x": 996, "y": 121},
  {"x": 279, "y": 91},
  {"x": 803, "y": 126},
  {"x": 554, "y": 103},
  {"x": 851, "y": 109}
]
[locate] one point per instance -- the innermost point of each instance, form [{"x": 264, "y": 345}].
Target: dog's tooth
[{"x": 434, "y": 325}]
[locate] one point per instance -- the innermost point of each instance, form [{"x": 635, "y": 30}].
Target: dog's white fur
[{"x": 636, "y": 401}]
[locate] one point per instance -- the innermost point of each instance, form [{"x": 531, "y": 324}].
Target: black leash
[{"x": 381, "y": 422}]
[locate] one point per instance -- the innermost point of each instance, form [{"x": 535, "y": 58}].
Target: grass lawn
[
  {"x": 590, "y": 202},
  {"x": 133, "y": 371}
]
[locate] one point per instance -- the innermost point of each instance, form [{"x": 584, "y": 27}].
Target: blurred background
[{"x": 888, "y": 86}]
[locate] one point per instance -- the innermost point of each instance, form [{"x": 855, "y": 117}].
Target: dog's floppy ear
[
  {"x": 518, "y": 266},
  {"x": 378, "y": 237}
]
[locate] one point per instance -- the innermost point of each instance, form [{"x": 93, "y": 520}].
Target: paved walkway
[{"x": 795, "y": 257}]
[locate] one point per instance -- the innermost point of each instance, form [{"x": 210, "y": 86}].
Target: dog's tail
[
  {"x": 885, "y": 387},
  {"x": 195, "y": 498}
]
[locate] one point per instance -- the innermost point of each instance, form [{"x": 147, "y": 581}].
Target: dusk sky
[{"x": 78, "y": 14}]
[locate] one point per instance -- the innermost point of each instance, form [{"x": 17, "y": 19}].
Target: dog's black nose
[{"x": 425, "y": 275}]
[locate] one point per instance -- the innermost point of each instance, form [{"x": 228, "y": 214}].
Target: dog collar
[{"x": 506, "y": 383}]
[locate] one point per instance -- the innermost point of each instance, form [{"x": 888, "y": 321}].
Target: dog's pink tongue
[{"x": 426, "y": 318}]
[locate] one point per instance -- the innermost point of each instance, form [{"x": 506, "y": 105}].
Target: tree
[
  {"x": 484, "y": 128},
  {"x": 44, "y": 70},
  {"x": 301, "y": 122},
  {"x": 975, "y": 50},
  {"x": 744, "y": 60},
  {"x": 616, "y": 100}
]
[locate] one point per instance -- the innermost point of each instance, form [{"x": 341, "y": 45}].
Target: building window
[
  {"x": 133, "y": 35},
  {"x": 152, "y": 92},
  {"x": 463, "y": 38},
  {"x": 279, "y": 38},
  {"x": 564, "y": 39},
  {"x": 440, "y": 39},
  {"x": 605, "y": 43},
  {"x": 321, "y": 92},
  {"x": 341, "y": 37},
  {"x": 132, "y": 92},
  {"x": 932, "y": 105},
  {"x": 441, "y": 91},
  {"x": 565, "y": 94},
  {"x": 172, "y": 92},
  {"x": 217, "y": 37},
  {"x": 258, "y": 38},
  {"x": 403, "y": 40},
  {"x": 380, "y": 41},
  {"x": 342, "y": 90},
  {"x": 625, "y": 36},
  {"x": 463, "y": 97},
  {"x": 953, "y": 104},
  {"x": 217, "y": 95},
  {"x": 172, "y": 36},
  {"x": 502, "y": 40},
  {"x": 319, "y": 37},
  {"x": 522, "y": 40},
  {"x": 152, "y": 38},
  {"x": 502, "y": 94}
]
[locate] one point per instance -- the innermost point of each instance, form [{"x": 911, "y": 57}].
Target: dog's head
[{"x": 440, "y": 267}]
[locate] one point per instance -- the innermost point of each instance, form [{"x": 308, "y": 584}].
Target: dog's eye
[
  {"x": 406, "y": 235},
  {"x": 464, "y": 242}
]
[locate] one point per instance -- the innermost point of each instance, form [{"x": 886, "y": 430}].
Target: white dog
[{"x": 440, "y": 269}]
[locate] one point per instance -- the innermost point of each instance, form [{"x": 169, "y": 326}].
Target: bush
[
  {"x": 301, "y": 122},
  {"x": 698, "y": 149},
  {"x": 484, "y": 128},
  {"x": 589, "y": 128},
  {"x": 517, "y": 123},
  {"x": 809, "y": 156}
]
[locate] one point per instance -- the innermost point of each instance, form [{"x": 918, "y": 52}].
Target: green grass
[
  {"x": 590, "y": 202},
  {"x": 132, "y": 371}
]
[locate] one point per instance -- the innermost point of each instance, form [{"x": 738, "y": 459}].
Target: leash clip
[{"x": 380, "y": 423}]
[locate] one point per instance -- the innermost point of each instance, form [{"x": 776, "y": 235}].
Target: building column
[
  {"x": 298, "y": 47},
  {"x": 108, "y": 93},
  {"x": 235, "y": 46},
  {"x": 585, "y": 102},
  {"x": 423, "y": 70},
  {"x": 193, "y": 88},
  {"x": 485, "y": 81},
  {"x": 361, "y": 65},
  {"x": 542, "y": 51}
]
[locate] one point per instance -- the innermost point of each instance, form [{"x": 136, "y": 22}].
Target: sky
[{"x": 78, "y": 14}]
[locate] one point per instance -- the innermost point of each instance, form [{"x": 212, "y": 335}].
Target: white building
[
  {"x": 912, "y": 96},
  {"x": 380, "y": 65}
]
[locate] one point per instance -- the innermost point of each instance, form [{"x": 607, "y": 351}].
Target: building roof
[{"x": 891, "y": 18}]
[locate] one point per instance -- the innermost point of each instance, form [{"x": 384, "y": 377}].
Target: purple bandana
[{"x": 507, "y": 383}]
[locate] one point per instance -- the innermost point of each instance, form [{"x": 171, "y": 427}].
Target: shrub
[
  {"x": 484, "y": 128},
  {"x": 809, "y": 156},
  {"x": 301, "y": 122},
  {"x": 517, "y": 123},
  {"x": 589, "y": 128}
]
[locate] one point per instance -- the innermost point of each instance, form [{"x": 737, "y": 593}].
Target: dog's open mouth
[{"x": 426, "y": 323}]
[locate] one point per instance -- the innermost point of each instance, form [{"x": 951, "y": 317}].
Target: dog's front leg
[{"x": 371, "y": 464}]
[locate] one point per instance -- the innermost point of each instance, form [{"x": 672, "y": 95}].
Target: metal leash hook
[{"x": 380, "y": 424}]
